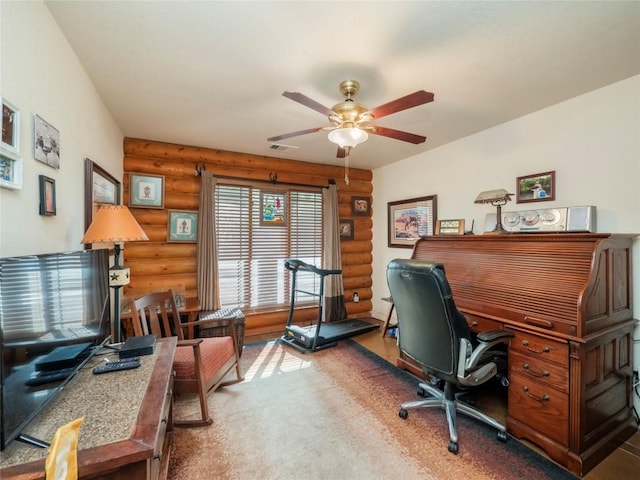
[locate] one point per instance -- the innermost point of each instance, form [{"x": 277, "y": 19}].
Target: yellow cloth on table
[{"x": 62, "y": 460}]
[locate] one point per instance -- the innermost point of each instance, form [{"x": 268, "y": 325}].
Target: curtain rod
[{"x": 273, "y": 178}]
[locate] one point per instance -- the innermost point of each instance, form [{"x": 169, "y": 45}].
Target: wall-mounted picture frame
[
  {"x": 273, "y": 208},
  {"x": 100, "y": 187},
  {"x": 46, "y": 142},
  {"x": 182, "y": 226},
  {"x": 539, "y": 187},
  {"x": 411, "y": 219},
  {"x": 47, "y": 196},
  {"x": 10, "y": 146},
  {"x": 10, "y": 172},
  {"x": 361, "y": 206},
  {"x": 346, "y": 229},
  {"x": 146, "y": 190},
  {"x": 450, "y": 227}
]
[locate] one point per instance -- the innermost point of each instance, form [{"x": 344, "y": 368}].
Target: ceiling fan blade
[
  {"x": 294, "y": 134},
  {"x": 409, "y": 101},
  {"x": 397, "y": 134},
  {"x": 308, "y": 102}
]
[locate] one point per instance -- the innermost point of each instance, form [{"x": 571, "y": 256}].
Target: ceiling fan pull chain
[{"x": 346, "y": 166}]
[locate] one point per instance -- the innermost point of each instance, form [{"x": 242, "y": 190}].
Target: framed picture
[
  {"x": 346, "y": 229},
  {"x": 146, "y": 191},
  {"x": 10, "y": 146},
  {"x": 450, "y": 227},
  {"x": 46, "y": 143},
  {"x": 411, "y": 219},
  {"x": 273, "y": 208},
  {"x": 10, "y": 172},
  {"x": 100, "y": 187},
  {"x": 47, "y": 196},
  {"x": 360, "y": 206},
  {"x": 540, "y": 187},
  {"x": 182, "y": 226}
]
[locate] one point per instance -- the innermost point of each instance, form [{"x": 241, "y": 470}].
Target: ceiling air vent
[{"x": 280, "y": 146}]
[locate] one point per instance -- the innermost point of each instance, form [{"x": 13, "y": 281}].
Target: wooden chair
[{"x": 200, "y": 364}]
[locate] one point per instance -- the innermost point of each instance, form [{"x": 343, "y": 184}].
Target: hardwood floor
[{"x": 622, "y": 464}]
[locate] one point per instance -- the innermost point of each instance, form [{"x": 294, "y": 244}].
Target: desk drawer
[
  {"x": 539, "y": 370},
  {"x": 540, "y": 347},
  {"x": 540, "y": 406},
  {"x": 480, "y": 324}
]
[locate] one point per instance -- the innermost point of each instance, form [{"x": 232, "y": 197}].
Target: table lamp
[
  {"x": 115, "y": 224},
  {"x": 497, "y": 198}
]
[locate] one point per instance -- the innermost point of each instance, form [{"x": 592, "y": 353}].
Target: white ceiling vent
[{"x": 280, "y": 146}]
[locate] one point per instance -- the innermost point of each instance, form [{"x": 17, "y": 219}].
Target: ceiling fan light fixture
[{"x": 348, "y": 137}]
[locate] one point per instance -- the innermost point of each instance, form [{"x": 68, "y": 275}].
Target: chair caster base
[
  {"x": 453, "y": 447},
  {"x": 502, "y": 436},
  {"x": 403, "y": 414}
]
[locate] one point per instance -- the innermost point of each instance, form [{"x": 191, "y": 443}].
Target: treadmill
[{"x": 322, "y": 335}]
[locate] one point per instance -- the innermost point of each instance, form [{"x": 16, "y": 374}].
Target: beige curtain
[
  {"x": 207, "y": 254},
  {"x": 334, "y": 307}
]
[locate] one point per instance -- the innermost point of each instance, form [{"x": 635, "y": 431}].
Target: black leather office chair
[{"x": 435, "y": 335}]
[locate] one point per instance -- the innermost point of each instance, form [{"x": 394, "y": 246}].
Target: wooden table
[{"x": 127, "y": 428}]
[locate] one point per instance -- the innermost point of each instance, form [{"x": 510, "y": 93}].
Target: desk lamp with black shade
[
  {"x": 115, "y": 224},
  {"x": 497, "y": 198}
]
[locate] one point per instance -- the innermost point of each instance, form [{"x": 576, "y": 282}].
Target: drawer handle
[
  {"x": 539, "y": 322},
  {"x": 543, "y": 373},
  {"x": 545, "y": 349},
  {"x": 474, "y": 324},
  {"x": 544, "y": 397}
]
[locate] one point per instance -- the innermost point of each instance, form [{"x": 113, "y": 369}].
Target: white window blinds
[{"x": 251, "y": 254}]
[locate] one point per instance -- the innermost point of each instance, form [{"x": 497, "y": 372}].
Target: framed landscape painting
[{"x": 410, "y": 220}]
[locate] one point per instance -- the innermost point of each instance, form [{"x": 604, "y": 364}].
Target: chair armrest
[
  {"x": 486, "y": 340},
  {"x": 490, "y": 336}
]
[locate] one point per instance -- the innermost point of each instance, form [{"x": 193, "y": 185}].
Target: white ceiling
[{"x": 212, "y": 73}]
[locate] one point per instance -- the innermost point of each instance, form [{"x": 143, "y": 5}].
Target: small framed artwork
[
  {"x": 10, "y": 146},
  {"x": 273, "y": 208},
  {"x": 46, "y": 142},
  {"x": 47, "y": 196},
  {"x": 182, "y": 226},
  {"x": 146, "y": 191},
  {"x": 100, "y": 187},
  {"x": 360, "y": 206},
  {"x": 539, "y": 187},
  {"x": 346, "y": 229},
  {"x": 10, "y": 172},
  {"x": 450, "y": 227},
  {"x": 410, "y": 220}
]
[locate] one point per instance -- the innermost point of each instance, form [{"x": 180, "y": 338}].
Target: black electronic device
[
  {"x": 54, "y": 316},
  {"x": 137, "y": 346},
  {"x": 108, "y": 367},
  {"x": 63, "y": 357}
]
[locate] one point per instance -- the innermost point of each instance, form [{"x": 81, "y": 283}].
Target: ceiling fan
[{"x": 351, "y": 121}]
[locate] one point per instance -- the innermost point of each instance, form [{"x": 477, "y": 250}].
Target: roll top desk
[{"x": 567, "y": 299}]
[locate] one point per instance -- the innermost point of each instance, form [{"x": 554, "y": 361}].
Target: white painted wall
[
  {"x": 592, "y": 142},
  {"x": 40, "y": 74}
]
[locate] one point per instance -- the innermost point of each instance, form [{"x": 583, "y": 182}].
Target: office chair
[{"x": 434, "y": 334}]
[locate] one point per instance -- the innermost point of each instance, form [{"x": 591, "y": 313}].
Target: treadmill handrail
[{"x": 294, "y": 264}]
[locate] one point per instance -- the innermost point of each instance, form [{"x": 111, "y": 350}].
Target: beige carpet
[{"x": 333, "y": 415}]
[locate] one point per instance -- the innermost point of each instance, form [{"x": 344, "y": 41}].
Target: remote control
[{"x": 117, "y": 365}]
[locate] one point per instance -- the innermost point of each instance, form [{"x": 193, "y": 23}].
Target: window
[{"x": 251, "y": 254}]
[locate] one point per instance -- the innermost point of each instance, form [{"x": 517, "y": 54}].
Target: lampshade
[
  {"x": 348, "y": 137},
  {"x": 113, "y": 223},
  {"x": 491, "y": 196}
]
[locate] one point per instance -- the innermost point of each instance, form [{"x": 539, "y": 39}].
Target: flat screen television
[{"x": 54, "y": 316}]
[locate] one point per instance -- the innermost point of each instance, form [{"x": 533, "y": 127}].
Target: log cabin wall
[{"x": 159, "y": 265}]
